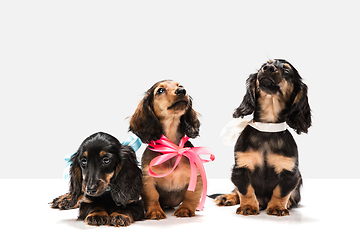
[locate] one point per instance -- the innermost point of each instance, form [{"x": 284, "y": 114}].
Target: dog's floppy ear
[
  {"x": 76, "y": 180},
  {"x": 189, "y": 122},
  {"x": 247, "y": 106},
  {"x": 299, "y": 117},
  {"x": 144, "y": 123},
  {"x": 126, "y": 184}
]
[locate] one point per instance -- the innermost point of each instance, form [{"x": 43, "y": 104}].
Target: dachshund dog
[
  {"x": 105, "y": 182},
  {"x": 167, "y": 110},
  {"x": 266, "y": 173}
]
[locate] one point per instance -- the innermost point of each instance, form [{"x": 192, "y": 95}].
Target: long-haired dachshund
[
  {"x": 167, "y": 110},
  {"x": 105, "y": 182},
  {"x": 266, "y": 173}
]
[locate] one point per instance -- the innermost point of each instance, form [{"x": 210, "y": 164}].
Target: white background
[
  {"x": 72, "y": 68},
  {"x": 321, "y": 215}
]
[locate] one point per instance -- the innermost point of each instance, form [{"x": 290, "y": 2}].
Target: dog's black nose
[
  {"x": 91, "y": 190},
  {"x": 180, "y": 92},
  {"x": 269, "y": 68}
]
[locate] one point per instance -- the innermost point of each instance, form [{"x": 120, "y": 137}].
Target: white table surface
[{"x": 329, "y": 208}]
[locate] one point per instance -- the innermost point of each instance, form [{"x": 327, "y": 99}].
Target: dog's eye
[
  {"x": 106, "y": 160},
  {"x": 160, "y": 91},
  {"x": 83, "y": 162}
]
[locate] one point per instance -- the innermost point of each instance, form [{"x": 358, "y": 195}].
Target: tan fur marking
[
  {"x": 100, "y": 213},
  {"x": 280, "y": 162},
  {"x": 102, "y": 153},
  {"x": 108, "y": 177},
  {"x": 249, "y": 205},
  {"x": 85, "y": 154},
  {"x": 249, "y": 160},
  {"x": 272, "y": 105},
  {"x": 277, "y": 204},
  {"x": 86, "y": 200},
  {"x": 286, "y": 88},
  {"x": 286, "y": 65}
]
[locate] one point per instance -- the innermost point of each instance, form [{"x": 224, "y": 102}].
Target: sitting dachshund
[
  {"x": 266, "y": 173},
  {"x": 167, "y": 110},
  {"x": 105, "y": 182}
]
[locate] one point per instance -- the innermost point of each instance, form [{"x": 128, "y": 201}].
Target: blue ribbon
[{"x": 132, "y": 141}]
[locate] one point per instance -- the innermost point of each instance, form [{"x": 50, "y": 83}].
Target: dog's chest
[
  {"x": 259, "y": 150},
  {"x": 178, "y": 179}
]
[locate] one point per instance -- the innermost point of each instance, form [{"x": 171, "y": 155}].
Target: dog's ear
[
  {"x": 299, "y": 117},
  {"x": 126, "y": 184},
  {"x": 247, "y": 106},
  {"x": 144, "y": 123},
  {"x": 76, "y": 180},
  {"x": 189, "y": 122}
]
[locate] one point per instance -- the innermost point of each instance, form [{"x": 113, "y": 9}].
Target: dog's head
[
  {"x": 103, "y": 164},
  {"x": 279, "y": 81},
  {"x": 164, "y": 100}
]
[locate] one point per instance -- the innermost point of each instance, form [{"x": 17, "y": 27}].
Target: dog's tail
[{"x": 213, "y": 196}]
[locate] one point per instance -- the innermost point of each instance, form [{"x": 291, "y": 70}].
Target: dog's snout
[
  {"x": 269, "y": 68},
  {"x": 180, "y": 92},
  {"x": 91, "y": 190}
]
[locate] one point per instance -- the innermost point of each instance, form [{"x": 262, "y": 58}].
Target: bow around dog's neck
[{"x": 268, "y": 127}]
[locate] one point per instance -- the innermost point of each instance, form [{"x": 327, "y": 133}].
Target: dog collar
[
  {"x": 233, "y": 129},
  {"x": 268, "y": 127}
]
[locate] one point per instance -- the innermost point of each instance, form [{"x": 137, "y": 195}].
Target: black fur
[
  {"x": 274, "y": 94},
  {"x": 100, "y": 163},
  {"x": 265, "y": 179},
  {"x": 297, "y": 113}
]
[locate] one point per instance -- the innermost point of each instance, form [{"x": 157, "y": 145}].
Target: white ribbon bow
[{"x": 233, "y": 129}]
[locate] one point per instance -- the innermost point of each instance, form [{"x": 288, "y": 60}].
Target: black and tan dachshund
[
  {"x": 266, "y": 173},
  {"x": 105, "y": 182}
]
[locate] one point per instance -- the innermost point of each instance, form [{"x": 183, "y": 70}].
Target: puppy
[
  {"x": 167, "y": 110},
  {"x": 266, "y": 173},
  {"x": 105, "y": 182}
]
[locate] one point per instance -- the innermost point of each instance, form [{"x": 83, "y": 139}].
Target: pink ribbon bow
[{"x": 170, "y": 150}]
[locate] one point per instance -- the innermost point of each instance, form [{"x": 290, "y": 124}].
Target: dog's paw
[
  {"x": 97, "y": 219},
  {"x": 119, "y": 220},
  {"x": 277, "y": 211},
  {"x": 247, "y": 210},
  {"x": 63, "y": 202},
  {"x": 226, "y": 200},
  {"x": 184, "y": 212},
  {"x": 155, "y": 214}
]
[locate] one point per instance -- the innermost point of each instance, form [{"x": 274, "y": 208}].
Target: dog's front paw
[
  {"x": 119, "y": 220},
  {"x": 184, "y": 212},
  {"x": 247, "y": 210},
  {"x": 277, "y": 211},
  {"x": 64, "y": 202},
  {"x": 97, "y": 219},
  {"x": 155, "y": 214}
]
